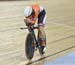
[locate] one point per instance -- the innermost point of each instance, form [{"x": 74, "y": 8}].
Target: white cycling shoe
[{"x": 42, "y": 50}]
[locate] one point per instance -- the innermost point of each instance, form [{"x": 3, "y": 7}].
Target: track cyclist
[{"x": 36, "y": 13}]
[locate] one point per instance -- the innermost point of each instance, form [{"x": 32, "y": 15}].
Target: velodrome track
[{"x": 60, "y": 30}]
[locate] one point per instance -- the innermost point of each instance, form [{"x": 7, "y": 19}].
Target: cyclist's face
[{"x": 29, "y": 17}]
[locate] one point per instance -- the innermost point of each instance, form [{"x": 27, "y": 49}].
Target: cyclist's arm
[{"x": 28, "y": 21}]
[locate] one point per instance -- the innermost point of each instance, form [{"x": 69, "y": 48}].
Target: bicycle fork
[{"x": 35, "y": 40}]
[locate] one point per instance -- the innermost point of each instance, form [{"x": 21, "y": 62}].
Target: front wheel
[{"x": 29, "y": 46}]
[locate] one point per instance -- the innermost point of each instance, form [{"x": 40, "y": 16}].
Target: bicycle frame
[{"x": 31, "y": 30}]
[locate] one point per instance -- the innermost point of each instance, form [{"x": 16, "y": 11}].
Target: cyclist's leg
[
  {"x": 41, "y": 32},
  {"x": 42, "y": 36}
]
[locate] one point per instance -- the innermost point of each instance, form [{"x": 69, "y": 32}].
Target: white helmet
[{"x": 27, "y": 11}]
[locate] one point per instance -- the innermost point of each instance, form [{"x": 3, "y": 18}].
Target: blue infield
[{"x": 69, "y": 59}]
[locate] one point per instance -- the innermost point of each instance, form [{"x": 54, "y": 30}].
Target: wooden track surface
[{"x": 60, "y": 30}]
